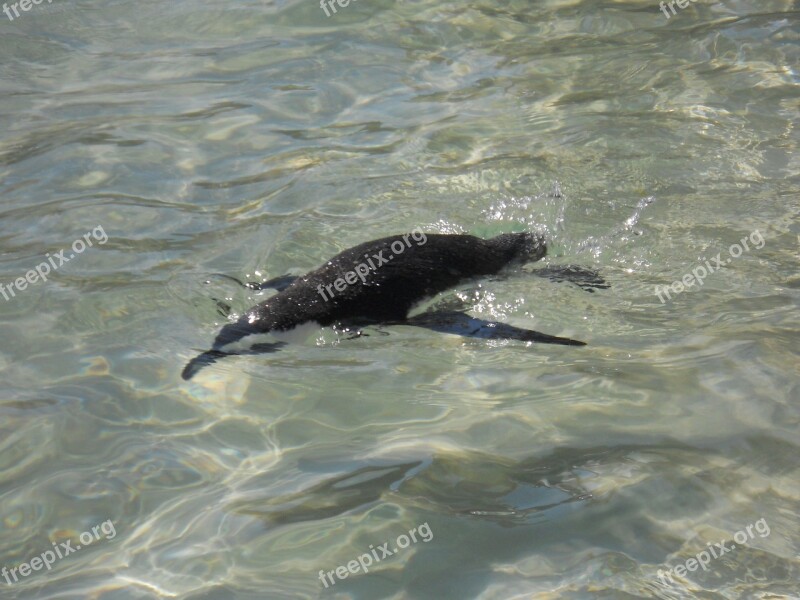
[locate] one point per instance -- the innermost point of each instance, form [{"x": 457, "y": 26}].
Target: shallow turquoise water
[{"x": 261, "y": 138}]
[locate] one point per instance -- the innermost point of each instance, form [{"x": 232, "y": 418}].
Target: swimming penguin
[{"x": 378, "y": 282}]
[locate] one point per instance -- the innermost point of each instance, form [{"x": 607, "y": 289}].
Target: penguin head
[{"x": 521, "y": 247}]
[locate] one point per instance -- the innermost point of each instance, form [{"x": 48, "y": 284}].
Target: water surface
[{"x": 260, "y": 138}]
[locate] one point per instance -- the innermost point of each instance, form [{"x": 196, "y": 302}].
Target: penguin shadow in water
[{"x": 380, "y": 281}]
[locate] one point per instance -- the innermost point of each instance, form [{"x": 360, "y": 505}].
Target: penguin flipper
[
  {"x": 276, "y": 283},
  {"x": 198, "y": 362},
  {"x": 459, "y": 323}
]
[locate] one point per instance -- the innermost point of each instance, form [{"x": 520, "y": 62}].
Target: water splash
[
  {"x": 543, "y": 213},
  {"x": 547, "y": 214},
  {"x": 597, "y": 244}
]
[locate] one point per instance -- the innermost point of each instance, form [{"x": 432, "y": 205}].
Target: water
[{"x": 260, "y": 138}]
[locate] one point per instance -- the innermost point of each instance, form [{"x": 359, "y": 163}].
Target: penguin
[{"x": 380, "y": 281}]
